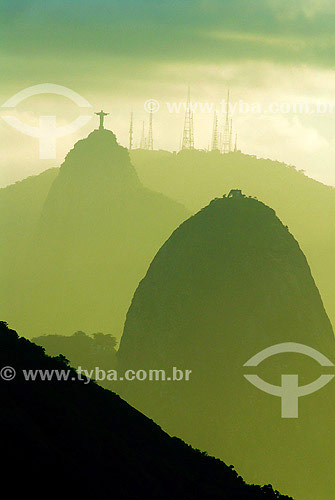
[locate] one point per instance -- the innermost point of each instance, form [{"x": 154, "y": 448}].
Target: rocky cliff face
[
  {"x": 229, "y": 282},
  {"x": 97, "y": 232}
]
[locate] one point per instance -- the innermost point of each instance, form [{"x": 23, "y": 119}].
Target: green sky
[{"x": 117, "y": 54}]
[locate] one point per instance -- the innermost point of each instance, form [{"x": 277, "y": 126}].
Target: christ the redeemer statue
[{"x": 101, "y": 115}]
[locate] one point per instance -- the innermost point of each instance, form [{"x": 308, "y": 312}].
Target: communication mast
[
  {"x": 231, "y": 135},
  {"x": 131, "y": 132},
  {"x": 150, "y": 143},
  {"x": 225, "y": 145},
  {"x": 188, "y": 135},
  {"x": 215, "y": 145},
  {"x": 143, "y": 141}
]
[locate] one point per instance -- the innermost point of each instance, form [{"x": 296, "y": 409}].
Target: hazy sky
[{"x": 118, "y": 54}]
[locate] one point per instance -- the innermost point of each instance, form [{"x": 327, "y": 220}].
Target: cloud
[
  {"x": 281, "y": 138},
  {"x": 119, "y": 53},
  {"x": 285, "y": 9},
  {"x": 150, "y": 31}
]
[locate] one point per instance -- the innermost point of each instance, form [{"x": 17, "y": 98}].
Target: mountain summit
[
  {"x": 100, "y": 157},
  {"x": 230, "y": 282},
  {"x": 94, "y": 238}
]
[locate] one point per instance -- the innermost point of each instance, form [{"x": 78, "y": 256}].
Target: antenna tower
[
  {"x": 215, "y": 145},
  {"x": 131, "y": 132},
  {"x": 225, "y": 146},
  {"x": 150, "y": 143},
  {"x": 188, "y": 135},
  {"x": 143, "y": 141}
]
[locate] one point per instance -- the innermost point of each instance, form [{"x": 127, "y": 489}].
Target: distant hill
[
  {"x": 20, "y": 208},
  {"x": 77, "y": 252},
  {"x": 305, "y": 205},
  {"x": 77, "y": 439},
  {"x": 88, "y": 352},
  {"x": 228, "y": 283}
]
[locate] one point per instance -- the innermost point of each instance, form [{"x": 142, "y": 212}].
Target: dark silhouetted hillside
[
  {"x": 90, "y": 244},
  {"x": 75, "y": 439},
  {"x": 230, "y": 282}
]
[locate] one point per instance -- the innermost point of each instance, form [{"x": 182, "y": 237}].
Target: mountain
[
  {"x": 228, "y": 283},
  {"x": 194, "y": 178},
  {"x": 87, "y": 242},
  {"x": 73, "y": 437}
]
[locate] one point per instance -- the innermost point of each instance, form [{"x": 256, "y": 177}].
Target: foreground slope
[
  {"x": 230, "y": 282},
  {"x": 73, "y": 438}
]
